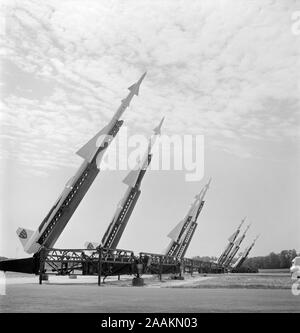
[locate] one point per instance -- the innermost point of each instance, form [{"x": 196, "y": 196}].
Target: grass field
[
  {"x": 91, "y": 298},
  {"x": 244, "y": 281},
  {"x": 281, "y": 270},
  {"x": 263, "y": 292},
  {"x": 274, "y": 280}
]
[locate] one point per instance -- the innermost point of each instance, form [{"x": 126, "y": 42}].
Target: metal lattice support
[
  {"x": 104, "y": 262},
  {"x": 100, "y": 262}
]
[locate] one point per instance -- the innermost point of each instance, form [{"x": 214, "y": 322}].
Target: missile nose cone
[
  {"x": 142, "y": 78},
  {"x": 198, "y": 195},
  {"x": 242, "y": 222},
  {"x": 209, "y": 181},
  {"x": 136, "y": 86},
  {"x": 157, "y": 129},
  {"x": 248, "y": 226}
]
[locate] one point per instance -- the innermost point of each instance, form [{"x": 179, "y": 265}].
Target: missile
[
  {"x": 75, "y": 189},
  {"x": 125, "y": 207},
  {"x": 200, "y": 198},
  {"x": 104, "y": 137},
  {"x": 231, "y": 240},
  {"x": 176, "y": 233},
  {"x": 244, "y": 255},
  {"x": 192, "y": 214},
  {"x": 157, "y": 129},
  {"x": 240, "y": 258},
  {"x": 203, "y": 191},
  {"x": 183, "y": 232},
  {"x": 135, "y": 88},
  {"x": 236, "y": 247}
]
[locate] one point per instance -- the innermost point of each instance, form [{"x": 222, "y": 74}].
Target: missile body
[
  {"x": 235, "y": 249},
  {"x": 75, "y": 189},
  {"x": 125, "y": 208},
  {"x": 230, "y": 245},
  {"x": 183, "y": 246},
  {"x": 182, "y": 234},
  {"x": 244, "y": 255},
  {"x": 238, "y": 262}
]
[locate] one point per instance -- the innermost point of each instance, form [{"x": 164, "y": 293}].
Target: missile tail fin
[
  {"x": 88, "y": 150},
  {"x": 232, "y": 238},
  {"x": 24, "y": 235},
  {"x": 174, "y": 233},
  {"x": 134, "y": 89},
  {"x": 131, "y": 178}
]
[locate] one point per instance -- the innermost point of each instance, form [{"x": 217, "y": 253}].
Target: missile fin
[
  {"x": 131, "y": 178},
  {"x": 24, "y": 235},
  {"x": 88, "y": 150},
  {"x": 69, "y": 183},
  {"x": 136, "y": 86},
  {"x": 134, "y": 89},
  {"x": 232, "y": 237},
  {"x": 174, "y": 233}
]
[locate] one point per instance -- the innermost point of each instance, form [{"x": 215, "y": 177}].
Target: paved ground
[{"x": 84, "y": 296}]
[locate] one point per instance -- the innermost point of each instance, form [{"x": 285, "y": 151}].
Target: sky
[{"x": 227, "y": 70}]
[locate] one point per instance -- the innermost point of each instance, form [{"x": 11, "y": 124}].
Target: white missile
[
  {"x": 235, "y": 248},
  {"x": 178, "y": 234},
  {"x": 103, "y": 138},
  {"x": 125, "y": 207},
  {"x": 75, "y": 189},
  {"x": 177, "y": 230},
  {"x": 244, "y": 255},
  {"x": 192, "y": 213},
  {"x": 223, "y": 257}
]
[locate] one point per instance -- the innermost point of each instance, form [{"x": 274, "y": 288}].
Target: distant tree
[
  {"x": 272, "y": 261},
  {"x": 284, "y": 259}
]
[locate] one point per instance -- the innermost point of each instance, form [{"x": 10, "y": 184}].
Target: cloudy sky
[{"x": 228, "y": 70}]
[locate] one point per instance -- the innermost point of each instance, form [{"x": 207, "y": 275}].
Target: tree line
[{"x": 272, "y": 261}]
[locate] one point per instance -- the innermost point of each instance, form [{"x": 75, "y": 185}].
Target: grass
[
  {"x": 279, "y": 270},
  {"x": 266, "y": 280},
  {"x": 243, "y": 281}
]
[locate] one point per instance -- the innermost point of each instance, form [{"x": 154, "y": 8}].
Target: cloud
[{"x": 218, "y": 68}]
